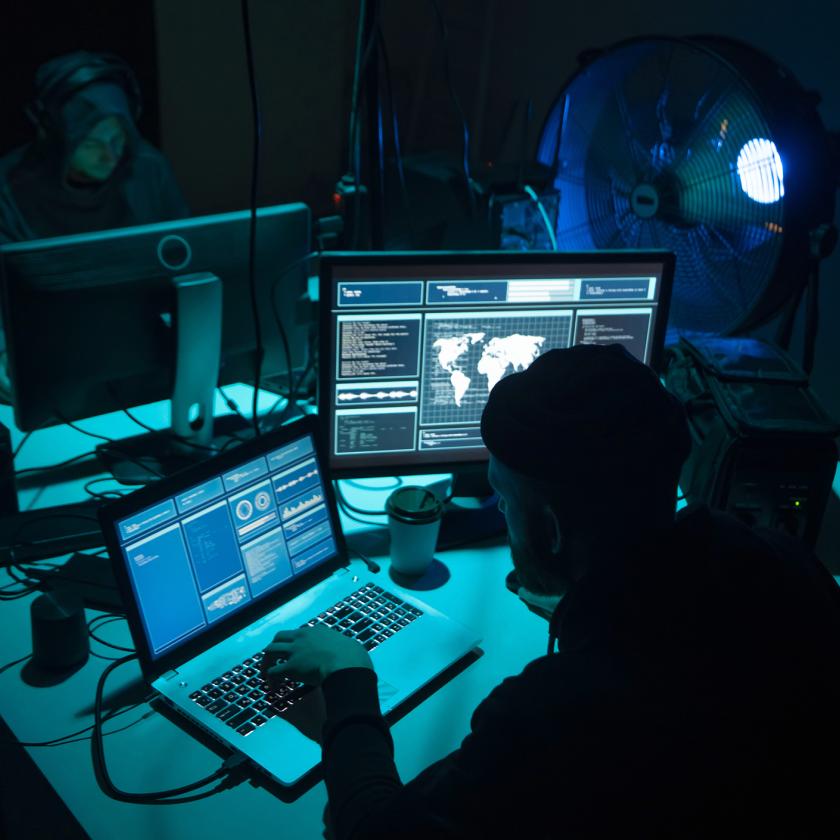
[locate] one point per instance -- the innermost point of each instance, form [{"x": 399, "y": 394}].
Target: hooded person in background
[{"x": 88, "y": 168}]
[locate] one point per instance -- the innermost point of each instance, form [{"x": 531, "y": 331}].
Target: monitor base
[{"x": 143, "y": 459}]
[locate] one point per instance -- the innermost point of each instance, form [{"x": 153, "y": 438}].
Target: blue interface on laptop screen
[{"x": 205, "y": 553}]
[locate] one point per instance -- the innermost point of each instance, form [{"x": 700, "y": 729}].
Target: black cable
[
  {"x": 444, "y": 32},
  {"x": 114, "y": 444},
  {"x": 362, "y": 56},
  {"x": 398, "y": 482},
  {"x": 107, "y": 618},
  {"x": 73, "y": 737},
  {"x": 233, "y": 406},
  {"x": 284, "y": 338},
  {"x": 104, "y": 495},
  {"x": 47, "y": 467},
  {"x": 100, "y": 767},
  {"x": 167, "y": 433},
  {"x": 395, "y": 132},
  {"x": 372, "y": 565},
  {"x": 17, "y": 449},
  {"x": 14, "y": 662},
  {"x": 252, "y": 234},
  {"x": 340, "y": 495}
]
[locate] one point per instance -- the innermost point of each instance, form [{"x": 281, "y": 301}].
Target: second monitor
[{"x": 411, "y": 344}]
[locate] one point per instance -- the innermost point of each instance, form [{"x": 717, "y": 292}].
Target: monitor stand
[
  {"x": 465, "y": 523},
  {"x": 194, "y": 435}
]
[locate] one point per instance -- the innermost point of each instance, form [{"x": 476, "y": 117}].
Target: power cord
[
  {"x": 531, "y": 193},
  {"x": 252, "y": 235},
  {"x": 444, "y": 33},
  {"x": 223, "y": 773},
  {"x": 293, "y": 386}
]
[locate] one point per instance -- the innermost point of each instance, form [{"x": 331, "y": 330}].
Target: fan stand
[{"x": 823, "y": 241}]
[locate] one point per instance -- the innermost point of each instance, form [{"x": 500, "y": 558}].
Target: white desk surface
[{"x": 156, "y": 753}]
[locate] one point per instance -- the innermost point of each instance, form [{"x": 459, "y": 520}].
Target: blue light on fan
[{"x": 760, "y": 170}]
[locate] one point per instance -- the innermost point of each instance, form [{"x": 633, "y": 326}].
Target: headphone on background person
[{"x": 73, "y": 72}]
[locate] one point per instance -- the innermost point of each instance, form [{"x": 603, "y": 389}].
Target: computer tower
[{"x": 763, "y": 448}]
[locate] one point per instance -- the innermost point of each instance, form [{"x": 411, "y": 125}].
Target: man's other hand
[{"x": 311, "y": 654}]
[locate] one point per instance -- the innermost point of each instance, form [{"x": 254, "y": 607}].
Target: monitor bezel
[
  {"x": 38, "y": 405},
  {"x": 112, "y": 512},
  {"x": 401, "y": 258}
]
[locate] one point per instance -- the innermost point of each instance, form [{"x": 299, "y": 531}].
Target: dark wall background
[
  {"x": 190, "y": 58},
  {"x": 502, "y": 54},
  {"x": 37, "y": 30}
]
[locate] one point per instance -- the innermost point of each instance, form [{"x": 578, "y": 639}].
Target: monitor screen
[
  {"x": 207, "y": 551},
  {"x": 412, "y": 344}
]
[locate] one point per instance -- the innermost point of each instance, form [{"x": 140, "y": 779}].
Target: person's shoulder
[{"x": 148, "y": 157}]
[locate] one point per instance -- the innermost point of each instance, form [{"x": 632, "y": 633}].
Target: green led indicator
[{"x": 797, "y": 503}]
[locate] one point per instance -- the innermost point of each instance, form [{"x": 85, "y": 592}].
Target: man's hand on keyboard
[{"x": 311, "y": 654}]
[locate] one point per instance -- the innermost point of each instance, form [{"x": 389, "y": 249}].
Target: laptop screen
[{"x": 207, "y": 552}]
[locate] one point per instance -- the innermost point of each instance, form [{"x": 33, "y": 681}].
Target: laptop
[{"x": 213, "y": 561}]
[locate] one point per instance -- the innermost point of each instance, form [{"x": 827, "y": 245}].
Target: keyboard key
[
  {"x": 411, "y": 617},
  {"x": 203, "y": 700},
  {"x": 255, "y": 682},
  {"x": 236, "y": 669},
  {"x": 365, "y": 635},
  {"x": 248, "y": 661},
  {"x": 361, "y": 625},
  {"x": 218, "y": 681},
  {"x": 244, "y": 702},
  {"x": 240, "y": 718},
  {"x": 370, "y": 644},
  {"x": 246, "y": 729},
  {"x": 250, "y": 672},
  {"x": 207, "y": 687},
  {"x": 342, "y": 613},
  {"x": 402, "y": 623},
  {"x": 231, "y": 697},
  {"x": 331, "y": 620},
  {"x": 227, "y": 675},
  {"x": 228, "y": 713},
  {"x": 227, "y": 685},
  {"x": 259, "y": 720},
  {"x": 260, "y": 705},
  {"x": 195, "y": 695},
  {"x": 215, "y": 693},
  {"x": 238, "y": 679},
  {"x": 348, "y": 633},
  {"x": 216, "y": 706},
  {"x": 400, "y": 611},
  {"x": 256, "y": 694},
  {"x": 243, "y": 689}
]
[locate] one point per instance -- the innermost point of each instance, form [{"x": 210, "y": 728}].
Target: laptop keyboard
[{"x": 242, "y": 698}]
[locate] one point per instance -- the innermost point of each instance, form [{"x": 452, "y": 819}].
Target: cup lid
[{"x": 414, "y": 504}]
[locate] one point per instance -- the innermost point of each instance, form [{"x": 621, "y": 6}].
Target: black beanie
[{"x": 587, "y": 417}]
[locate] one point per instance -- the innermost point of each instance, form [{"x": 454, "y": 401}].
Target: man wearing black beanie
[{"x": 691, "y": 684}]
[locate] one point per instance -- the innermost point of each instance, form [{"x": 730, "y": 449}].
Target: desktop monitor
[
  {"x": 412, "y": 343},
  {"x": 105, "y": 321}
]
